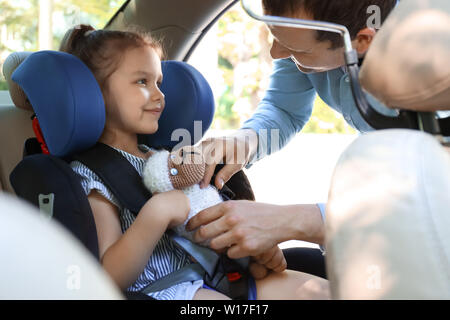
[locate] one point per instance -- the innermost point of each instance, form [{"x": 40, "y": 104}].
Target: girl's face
[{"x": 132, "y": 96}]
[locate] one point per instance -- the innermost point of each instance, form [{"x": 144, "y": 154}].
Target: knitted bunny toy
[{"x": 182, "y": 169}]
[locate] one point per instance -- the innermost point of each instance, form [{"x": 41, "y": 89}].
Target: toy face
[{"x": 186, "y": 167}]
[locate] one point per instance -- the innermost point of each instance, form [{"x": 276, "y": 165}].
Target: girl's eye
[
  {"x": 142, "y": 81},
  {"x": 159, "y": 83}
]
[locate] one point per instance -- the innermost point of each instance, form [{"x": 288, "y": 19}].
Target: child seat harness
[
  {"x": 218, "y": 271},
  {"x": 70, "y": 207}
]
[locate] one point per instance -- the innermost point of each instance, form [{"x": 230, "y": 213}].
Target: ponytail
[{"x": 74, "y": 36}]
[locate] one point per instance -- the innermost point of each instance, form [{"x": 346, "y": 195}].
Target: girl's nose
[
  {"x": 157, "y": 94},
  {"x": 278, "y": 51}
]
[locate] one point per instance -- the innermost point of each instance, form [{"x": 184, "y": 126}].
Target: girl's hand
[{"x": 172, "y": 207}]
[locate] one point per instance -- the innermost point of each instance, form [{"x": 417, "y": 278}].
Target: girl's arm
[{"x": 124, "y": 256}]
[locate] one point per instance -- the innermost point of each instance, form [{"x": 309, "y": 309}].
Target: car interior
[{"x": 365, "y": 239}]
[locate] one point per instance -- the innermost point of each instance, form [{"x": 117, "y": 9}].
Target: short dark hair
[{"x": 350, "y": 13}]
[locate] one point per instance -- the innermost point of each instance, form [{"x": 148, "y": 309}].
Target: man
[{"x": 306, "y": 62}]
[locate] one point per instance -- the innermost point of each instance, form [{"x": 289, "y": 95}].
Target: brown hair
[
  {"x": 350, "y": 13},
  {"x": 102, "y": 50}
]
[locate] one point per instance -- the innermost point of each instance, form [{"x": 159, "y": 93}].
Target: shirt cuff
[
  {"x": 260, "y": 147},
  {"x": 322, "y": 207}
]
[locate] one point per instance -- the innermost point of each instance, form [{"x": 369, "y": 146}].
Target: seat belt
[
  {"x": 191, "y": 272},
  {"x": 206, "y": 257},
  {"x": 125, "y": 183}
]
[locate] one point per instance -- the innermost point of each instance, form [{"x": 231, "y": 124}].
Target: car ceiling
[{"x": 180, "y": 24}]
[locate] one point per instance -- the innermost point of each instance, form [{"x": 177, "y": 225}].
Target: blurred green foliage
[
  {"x": 3, "y": 85},
  {"x": 325, "y": 120},
  {"x": 20, "y": 20}
]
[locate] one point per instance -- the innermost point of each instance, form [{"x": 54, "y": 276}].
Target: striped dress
[{"x": 166, "y": 258}]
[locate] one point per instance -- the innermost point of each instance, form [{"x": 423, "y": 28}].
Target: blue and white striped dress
[{"x": 166, "y": 258}]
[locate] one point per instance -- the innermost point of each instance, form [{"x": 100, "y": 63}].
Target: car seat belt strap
[
  {"x": 191, "y": 272},
  {"x": 206, "y": 257},
  {"x": 118, "y": 174}
]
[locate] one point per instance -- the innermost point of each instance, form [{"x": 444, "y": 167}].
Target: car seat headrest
[
  {"x": 406, "y": 65},
  {"x": 189, "y": 99},
  {"x": 17, "y": 95},
  {"x": 69, "y": 104},
  {"x": 66, "y": 98}
]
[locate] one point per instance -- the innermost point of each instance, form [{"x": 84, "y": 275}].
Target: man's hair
[{"x": 350, "y": 13}]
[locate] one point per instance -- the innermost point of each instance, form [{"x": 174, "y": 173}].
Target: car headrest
[
  {"x": 69, "y": 104},
  {"x": 17, "y": 95},
  {"x": 407, "y": 63},
  {"x": 66, "y": 98}
]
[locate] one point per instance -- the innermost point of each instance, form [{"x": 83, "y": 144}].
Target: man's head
[{"x": 318, "y": 51}]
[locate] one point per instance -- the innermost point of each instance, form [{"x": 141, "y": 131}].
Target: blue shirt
[{"x": 288, "y": 103}]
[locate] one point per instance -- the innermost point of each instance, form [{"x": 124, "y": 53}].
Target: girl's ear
[{"x": 363, "y": 40}]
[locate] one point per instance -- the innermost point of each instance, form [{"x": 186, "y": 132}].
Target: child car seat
[{"x": 68, "y": 103}]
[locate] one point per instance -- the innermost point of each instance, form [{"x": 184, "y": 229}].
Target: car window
[
  {"x": 31, "y": 25},
  {"x": 234, "y": 57}
]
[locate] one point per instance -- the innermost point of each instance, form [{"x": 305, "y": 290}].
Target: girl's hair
[{"x": 102, "y": 50}]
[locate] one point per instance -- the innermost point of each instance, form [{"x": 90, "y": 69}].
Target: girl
[{"x": 136, "y": 251}]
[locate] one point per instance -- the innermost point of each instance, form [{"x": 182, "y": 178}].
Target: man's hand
[
  {"x": 234, "y": 150},
  {"x": 247, "y": 228},
  {"x": 273, "y": 259},
  {"x": 244, "y": 228}
]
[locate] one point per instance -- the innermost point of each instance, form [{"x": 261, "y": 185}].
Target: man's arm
[
  {"x": 287, "y": 107},
  {"x": 247, "y": 228}
]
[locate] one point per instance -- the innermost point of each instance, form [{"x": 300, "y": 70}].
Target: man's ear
[{"x": 363, "y": 40}]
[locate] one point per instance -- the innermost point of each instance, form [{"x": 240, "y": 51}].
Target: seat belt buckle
[{"x": 234, "y": 276}]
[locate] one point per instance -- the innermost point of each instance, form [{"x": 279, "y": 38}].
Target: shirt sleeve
[
  {"x": 90, "y": 180},
  {"x": 284, "y": 110}
]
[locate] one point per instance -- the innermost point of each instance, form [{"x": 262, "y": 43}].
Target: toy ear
[{"x": 156, "y": 172}]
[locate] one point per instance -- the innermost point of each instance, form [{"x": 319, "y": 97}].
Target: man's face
[{"x": 301, "y": 46}]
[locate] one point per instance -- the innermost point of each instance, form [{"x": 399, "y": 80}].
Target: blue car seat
[{"x": 69, "y": 119}]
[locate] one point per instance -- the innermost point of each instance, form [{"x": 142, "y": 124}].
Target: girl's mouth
[{"x": 155, "y": 111}]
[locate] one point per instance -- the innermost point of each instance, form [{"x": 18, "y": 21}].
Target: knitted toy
[{"x": 182, "y": 169}]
